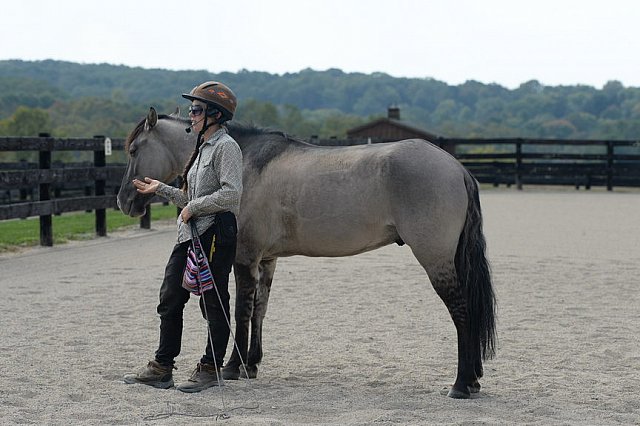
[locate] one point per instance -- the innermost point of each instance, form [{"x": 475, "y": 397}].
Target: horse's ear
[
  {"x": 152, "y": 119},
  {"x": 176, "y": 113}
]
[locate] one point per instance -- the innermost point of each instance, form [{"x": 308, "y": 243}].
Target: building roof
[{"x": 360, "y": 131}]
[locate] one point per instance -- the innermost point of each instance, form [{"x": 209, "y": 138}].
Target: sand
[{"x": 346, "y": 340}]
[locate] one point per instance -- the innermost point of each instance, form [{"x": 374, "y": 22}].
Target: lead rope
[
  {"x": 223, "y": 415},
  {"x": 194, "y": 235}
]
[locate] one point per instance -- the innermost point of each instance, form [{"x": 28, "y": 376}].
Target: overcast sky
[{"x": 558, "y": 42}]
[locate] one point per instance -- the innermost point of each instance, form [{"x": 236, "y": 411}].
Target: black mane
[
  {"x": 243, "y": 130},
  {"x": 260, "y": 145}
]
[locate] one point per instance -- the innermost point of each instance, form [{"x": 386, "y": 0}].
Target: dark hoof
[
  {"x": 230, "y": 372},
  {"x": 458, "y": 394},
  {"x": 234, "y": 373},
  {"x": 252, "y": 371},
  {"x": 474, "y": 387}
]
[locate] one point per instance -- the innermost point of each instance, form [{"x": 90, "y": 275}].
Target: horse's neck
[{"x": 180, "y": 146}]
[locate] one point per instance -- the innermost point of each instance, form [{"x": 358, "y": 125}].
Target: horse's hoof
[
  {"x": 252, "y": 371},
  {"x": 474, "y": 387},
  {"x": 234, "y": 373},
  {"x": 458, "y": 394},
  {"x": 230, "y": 373}
]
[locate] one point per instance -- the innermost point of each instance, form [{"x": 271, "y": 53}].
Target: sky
[{"x": 508, "y": 42}]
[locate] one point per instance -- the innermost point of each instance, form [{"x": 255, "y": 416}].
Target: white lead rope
[{"x": 194, "y": 234}]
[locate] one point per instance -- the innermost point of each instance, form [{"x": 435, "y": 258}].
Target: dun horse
[{"x": 301, "y": 199}]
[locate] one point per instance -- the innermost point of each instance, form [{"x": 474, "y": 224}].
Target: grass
[{"x": 19, "y": 233}]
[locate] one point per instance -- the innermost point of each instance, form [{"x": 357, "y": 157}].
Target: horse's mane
[
  {"x": 249, "y": 130},
  {"x": 241, "y": 130},
  {"x": 259, "y": 144}
]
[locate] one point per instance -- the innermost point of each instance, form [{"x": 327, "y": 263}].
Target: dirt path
[{"x": 565, "y": 264}]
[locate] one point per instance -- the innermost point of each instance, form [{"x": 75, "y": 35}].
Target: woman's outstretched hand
[{"x": 149, "y": 186}]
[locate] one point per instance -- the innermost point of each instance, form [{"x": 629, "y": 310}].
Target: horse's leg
[
  {"x": 247, "y": 277},
  {"x": 260, "y": 302},
  {"x": 446, "y": 237},
  {"x": 445, "y": 282},
  {"x": 478, "y": 370}
]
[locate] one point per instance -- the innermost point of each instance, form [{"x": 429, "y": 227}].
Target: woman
[{"x": 210, "y": 196}]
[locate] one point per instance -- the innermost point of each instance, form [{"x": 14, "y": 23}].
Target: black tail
[{"x": 474, "y": 275}]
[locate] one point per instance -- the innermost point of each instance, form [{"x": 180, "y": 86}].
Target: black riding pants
[{"x": 173, "y": 298}]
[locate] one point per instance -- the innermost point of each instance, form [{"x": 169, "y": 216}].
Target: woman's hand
[
  {"x": 185, "y": 214},
  {"x": 149, "y": 186}
]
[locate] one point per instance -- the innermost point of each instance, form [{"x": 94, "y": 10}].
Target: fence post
[
  {"x": 609, "y": 165},
  {"x": 145, "y": 221},
  {"x": 99, "y": 160},
  {"x": 46, "y": 226},
  {"x": 519, "y": 164},
  {"x": 88, "y": 190},
  {"x": 24, "y": 165}
]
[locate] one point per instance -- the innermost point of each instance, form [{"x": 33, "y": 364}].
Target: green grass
[{"x": 17, "y": 233}]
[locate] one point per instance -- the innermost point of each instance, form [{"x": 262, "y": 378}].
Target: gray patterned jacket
[{"x": 215, "y": 184}]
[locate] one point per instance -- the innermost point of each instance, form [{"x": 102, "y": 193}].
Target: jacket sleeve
[
  {"x": 228, "y": 160},
  {"x": 175, "y": 195}
]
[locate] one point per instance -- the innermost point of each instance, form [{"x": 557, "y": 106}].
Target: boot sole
[
  {"x": 157, "y": 385},
  {"x": 200, "y": 388}
]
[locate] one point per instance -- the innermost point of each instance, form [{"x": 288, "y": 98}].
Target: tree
[
  {"x": 561, "y": 129},
  {"x": 259, "y": 113},
  {"x": 84, "y": 100},
  {"x": 27, "y": 122}
]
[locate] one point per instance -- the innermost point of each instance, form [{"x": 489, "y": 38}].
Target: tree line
[{"x": 69, "y": 99}]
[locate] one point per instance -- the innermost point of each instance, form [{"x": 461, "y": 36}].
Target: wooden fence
[
  {"x": 25, "y": 178},
  {"x": 551, "y": 162},
  {"x": 516, "y": 161}
]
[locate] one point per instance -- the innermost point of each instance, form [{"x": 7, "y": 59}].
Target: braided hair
[{"x": 194, "y": 155}]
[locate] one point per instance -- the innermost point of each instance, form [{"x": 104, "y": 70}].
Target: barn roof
[
  {"x": 389, "y": 128},
  {"x": 418, "y": 132}
]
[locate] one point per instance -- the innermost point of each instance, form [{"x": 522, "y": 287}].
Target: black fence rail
[
  {"x": 45, "y": 189},
  {"x": 550, "y": 162},
  {"x": 519, "y": 161},
  {"x": 66, "y": 179},
  {"x": 40, "y": 187}
]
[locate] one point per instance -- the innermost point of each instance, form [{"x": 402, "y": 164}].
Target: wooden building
[{"x": 389, "y": 128}]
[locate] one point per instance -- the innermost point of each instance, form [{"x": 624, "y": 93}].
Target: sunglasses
[{"x": 195, "y": 110}]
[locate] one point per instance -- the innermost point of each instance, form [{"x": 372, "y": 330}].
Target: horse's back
[{"x": 338, "y": 201}]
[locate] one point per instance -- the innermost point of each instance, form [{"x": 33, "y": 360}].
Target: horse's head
[{"x": 157, "y": 148}]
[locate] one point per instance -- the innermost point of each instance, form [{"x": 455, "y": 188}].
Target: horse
[{"x": 304, "y": 199}]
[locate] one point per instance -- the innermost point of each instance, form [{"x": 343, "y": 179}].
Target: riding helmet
[{"x": 216, "y": 94}]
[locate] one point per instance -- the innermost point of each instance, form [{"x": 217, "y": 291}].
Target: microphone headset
[
  {"x": 209, "y": 113},
  {"x": 188, "y": 129}
]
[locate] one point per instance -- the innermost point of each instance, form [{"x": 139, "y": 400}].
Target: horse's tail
[{"x": 474, "y": 275}]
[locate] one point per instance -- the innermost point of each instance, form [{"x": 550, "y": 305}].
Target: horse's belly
[{"x": 339, "y": 238}]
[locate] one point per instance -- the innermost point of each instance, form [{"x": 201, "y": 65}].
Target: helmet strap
[{"x": 208, "y": 122}]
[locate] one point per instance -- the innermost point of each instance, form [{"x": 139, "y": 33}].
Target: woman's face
[{"x": 196, "y": 115}]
